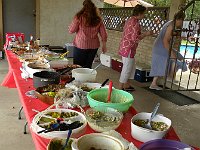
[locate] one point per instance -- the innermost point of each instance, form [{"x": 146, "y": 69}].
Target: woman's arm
[
  {"x": 147, "y": 33},
  {"x": 135, "y": 33},
  {"x": 167, "y": 40},
  {"x": 74, "y": 26},
  {"x": 104, "y": 36}
]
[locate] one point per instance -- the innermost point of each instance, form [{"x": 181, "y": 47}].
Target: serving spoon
[
  {"x": 96, "y": 68},
  {"x": 67, "y": 140},
  {"x": 153, "y": 114}
]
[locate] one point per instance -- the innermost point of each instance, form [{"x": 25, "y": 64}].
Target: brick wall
[{"x": 144, "y": 50}]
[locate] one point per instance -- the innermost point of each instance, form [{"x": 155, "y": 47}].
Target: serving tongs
[
  {"x": 65, "y": 70},
  {"x": 63, "y": 55},
  {"x": 54, "y": 127},
  {"x": 57, "y": 126},
  {"x": 104, "y": 83}
]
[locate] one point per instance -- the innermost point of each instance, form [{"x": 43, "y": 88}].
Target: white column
[
  {"x": 174, "y": 7},
  {"x": 1, "y": 25}
]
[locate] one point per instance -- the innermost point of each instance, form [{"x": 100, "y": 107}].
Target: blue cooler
[{"x": 142, "y": 74}]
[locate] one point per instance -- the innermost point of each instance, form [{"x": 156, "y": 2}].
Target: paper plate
[{"x": 163, "y": 144}]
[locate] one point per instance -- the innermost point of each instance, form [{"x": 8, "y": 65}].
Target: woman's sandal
[
  {"x": 130, "y": 88},
  {"x": 155, "y": 88}
]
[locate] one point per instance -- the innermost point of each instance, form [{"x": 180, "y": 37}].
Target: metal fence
[{"x": 186, "y": 80}]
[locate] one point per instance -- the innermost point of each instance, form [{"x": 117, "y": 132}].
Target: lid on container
[
  {"x": 163, "y": 144},
  {"x": 46, "y": 74}
]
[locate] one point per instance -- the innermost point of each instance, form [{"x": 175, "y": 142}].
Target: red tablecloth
[
  {"x": 9, "y": 79},
  {"x": 30, "y": 103}
]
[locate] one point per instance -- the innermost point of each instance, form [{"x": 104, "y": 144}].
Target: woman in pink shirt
[
  {"x": 87, "y": 24},
  {"x": 128, "y": 45}
]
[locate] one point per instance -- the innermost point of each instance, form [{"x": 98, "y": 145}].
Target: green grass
[{"x": 183, "y": 42}]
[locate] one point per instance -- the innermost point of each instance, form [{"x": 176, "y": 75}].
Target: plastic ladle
[
  {"x": 153, "y": 114},
  {"x": 109, "y": 91}
]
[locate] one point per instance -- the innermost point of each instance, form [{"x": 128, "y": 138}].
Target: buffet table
[{"x": 13, "y": 79}]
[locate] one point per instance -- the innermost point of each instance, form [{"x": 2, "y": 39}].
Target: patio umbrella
[{"x": 128, "y": 3}]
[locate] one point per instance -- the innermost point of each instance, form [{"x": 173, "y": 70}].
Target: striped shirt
[
  {"x": 87, "y": 37},
  {"x": 130, "y": 38}
]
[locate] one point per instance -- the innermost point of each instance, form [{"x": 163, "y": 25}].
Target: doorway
[{"x": 19, "y": 16}]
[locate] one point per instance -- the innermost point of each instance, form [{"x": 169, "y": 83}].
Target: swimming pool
[{"x": 190, "y": 51}]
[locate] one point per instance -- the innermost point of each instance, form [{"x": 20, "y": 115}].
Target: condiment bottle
[{"x": 31, "y": 41}]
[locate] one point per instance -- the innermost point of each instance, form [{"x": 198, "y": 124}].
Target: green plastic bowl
[{"x": 120, "y": 100}]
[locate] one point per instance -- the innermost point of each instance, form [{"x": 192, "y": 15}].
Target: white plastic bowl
[
  {"x": 143, "y": 134},
  {"x": 98, "y": 141},
  {"x": 84, "y": 74}
]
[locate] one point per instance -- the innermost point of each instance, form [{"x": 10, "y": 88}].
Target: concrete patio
[{"x": 185, "y": 119}]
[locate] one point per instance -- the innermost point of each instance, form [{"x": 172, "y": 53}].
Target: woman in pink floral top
[
  {"x": 128, "y": 45},
  {"x": 87, "y": 24}
]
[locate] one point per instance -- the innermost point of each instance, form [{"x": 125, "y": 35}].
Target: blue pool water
[{"x": 190, "y": 51}]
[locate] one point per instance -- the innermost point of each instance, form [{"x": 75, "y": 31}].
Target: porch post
[
  {"x": 174, "y": 7},
  {"x": 37, "y": 18},
  {"x": 1, "y": 25},
  {"x": 1, "y": 30}
]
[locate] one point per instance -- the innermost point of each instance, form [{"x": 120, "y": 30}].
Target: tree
[
  {"x": 159, "y": 3},
  {"x": 106, "y": 5},
  {"x": 189, "y": 14},
  {"x": 166, "y": 3},
  {"x": 193, "y": 12}
]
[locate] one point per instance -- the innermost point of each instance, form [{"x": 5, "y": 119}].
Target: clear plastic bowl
[{"x": 102, "y": 119}]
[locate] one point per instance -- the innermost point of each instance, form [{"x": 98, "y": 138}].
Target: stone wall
[{"x": 144, "y": 50}]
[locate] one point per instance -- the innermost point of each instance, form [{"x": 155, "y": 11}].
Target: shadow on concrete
[{"x": 174, "y": 97}]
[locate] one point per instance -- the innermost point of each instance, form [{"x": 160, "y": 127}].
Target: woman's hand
[
  {"x": 104, "y": 48},
  {"x": 173, "y": 55},
  {"x": 148, "y": 33}
]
